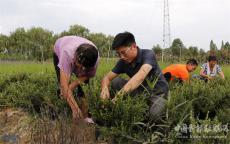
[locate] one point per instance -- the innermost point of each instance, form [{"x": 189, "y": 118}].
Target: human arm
[
  {"x": 221, "y": 75},
  {"x": 220, "y": 72},
  {"x": 76, "y": 111},
  {"x": 64, "y": 83},
  {"x": 77, "y": 82},
  {"x": 68, "y": 93},
  {"x": 105, "y": 84},
  {"x": 137, "y": 79},
  {"x": 202, "y": 73}
]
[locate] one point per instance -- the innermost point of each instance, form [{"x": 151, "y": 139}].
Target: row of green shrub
[{"x": 195, "y": 104}]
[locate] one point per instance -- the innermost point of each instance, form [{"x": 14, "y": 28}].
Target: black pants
[
  {"x": 80, "y": 92},
  {"x": 57, "y": 69},
  {"x": 168, "y": 76}
]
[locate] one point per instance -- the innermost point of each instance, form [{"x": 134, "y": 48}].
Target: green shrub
[{"x": 126, "y": 121}]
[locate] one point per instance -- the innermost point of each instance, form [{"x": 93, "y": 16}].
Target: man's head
[
  {"x": 125, "y": 46},
  {"x": 86, "y": 56},
  {"x": 212, "y": 60},
  {"x": 191, "y": 65}
]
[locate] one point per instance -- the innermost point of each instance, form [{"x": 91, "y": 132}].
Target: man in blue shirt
[{"x": 142, "y": 67}]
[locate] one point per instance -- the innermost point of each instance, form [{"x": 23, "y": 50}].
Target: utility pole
[
  {"x": 109, "y": 51},
  {"x": 108, "y": 55},
  {"x": 42, "y": 56},
  {"x": 166, "y": 29}
]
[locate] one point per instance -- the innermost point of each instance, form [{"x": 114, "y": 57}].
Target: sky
[{"x": 195, "y": 22}]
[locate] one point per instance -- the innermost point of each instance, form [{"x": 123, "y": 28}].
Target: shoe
[{"x": 89, "y": 120}]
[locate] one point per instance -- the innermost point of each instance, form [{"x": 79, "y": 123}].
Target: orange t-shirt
[{"x": 178, "y": 71}]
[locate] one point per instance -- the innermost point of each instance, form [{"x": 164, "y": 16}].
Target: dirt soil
[
  {"x": 14, "y": 126},
  {"x": 18, "y": 127}
]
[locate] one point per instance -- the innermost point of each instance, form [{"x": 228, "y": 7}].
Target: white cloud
[{"x": 195, "y": 22}]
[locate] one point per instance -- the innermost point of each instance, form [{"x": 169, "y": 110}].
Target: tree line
[
  {"x": 179, "y": 52},
  {"x": 37, "y": 43}
]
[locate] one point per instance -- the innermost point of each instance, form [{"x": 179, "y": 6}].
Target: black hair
[
  {"x": 123, "y": 39},
  {"x": 86, "y": 55},
  {"x": 192, "y": 62},
  {"x": 212, "y": 58}
]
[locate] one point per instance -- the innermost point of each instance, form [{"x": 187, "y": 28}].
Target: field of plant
[{"x": 195, "y": 113}]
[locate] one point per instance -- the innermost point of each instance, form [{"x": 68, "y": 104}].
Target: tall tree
[
  {"x": 102, "y": 42},
  {"x": 40, "y": 43},
  {"x": 4, "y": 42},
  {"x": 227, "y": 46},
  {"x": 193, "y": 52},
  {"x": 213, "y": 48},
  {"x": 222, "y": 45},
  {"x": 177, "y": 47},
  {"x": 157, "y": 50},
  {"x": 76, "y": 30},
  {"x": 17, "y": 41}
]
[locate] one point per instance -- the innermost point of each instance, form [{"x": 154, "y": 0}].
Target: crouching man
[{"x": 141, "y": 66}]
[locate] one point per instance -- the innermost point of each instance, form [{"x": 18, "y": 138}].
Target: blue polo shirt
[{"x": 144, "y": 56}]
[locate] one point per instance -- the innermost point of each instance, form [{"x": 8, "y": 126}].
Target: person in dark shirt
[{"x": 142, "y": 68}]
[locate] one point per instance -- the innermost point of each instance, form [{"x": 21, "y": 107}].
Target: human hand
[
  {"x": 118, "y": 95},
  {"x": 210, "y": 78},
  {"x": 76, "y": 111},
  {"x": 105, "y": 93},
  {"x": 114, "y": 99},
  {"x": 77, "y": 115}
]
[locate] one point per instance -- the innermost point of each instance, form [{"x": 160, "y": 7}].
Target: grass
[
  {"x": 8, "y": 67},
  {"x": 25, "y": 67},
  {"x": 47, "y": 67},
  {"x": 196, "y": 103}
]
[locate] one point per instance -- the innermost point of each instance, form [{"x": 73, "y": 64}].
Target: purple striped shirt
[{"x": 65, "y": 48}]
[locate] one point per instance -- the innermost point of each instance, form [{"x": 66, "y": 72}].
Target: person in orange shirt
[{"x": 180, "y": 71}]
